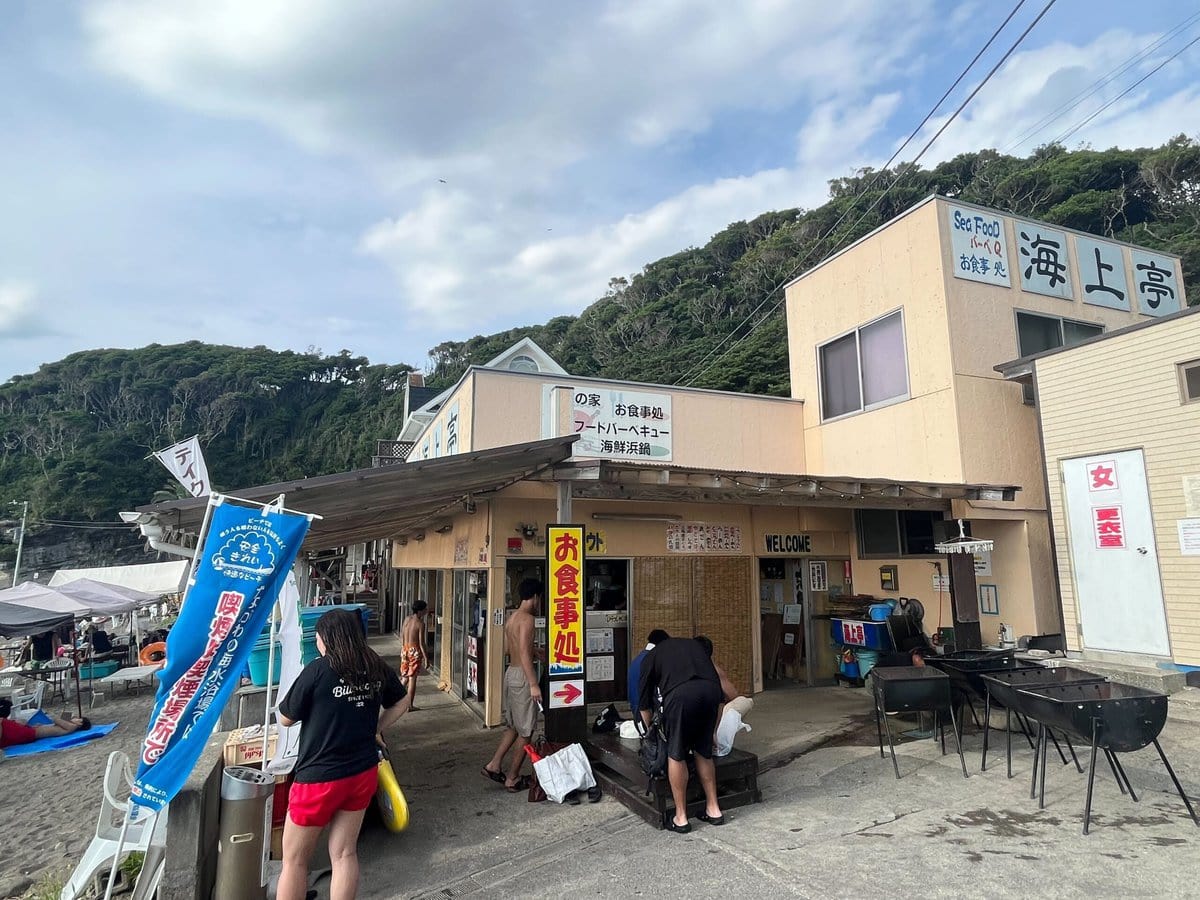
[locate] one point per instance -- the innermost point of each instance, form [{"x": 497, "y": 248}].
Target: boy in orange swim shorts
[{"x": 413, "y": 657}]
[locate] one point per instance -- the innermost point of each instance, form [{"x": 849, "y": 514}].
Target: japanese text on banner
[{"x": 565, "y": 594}]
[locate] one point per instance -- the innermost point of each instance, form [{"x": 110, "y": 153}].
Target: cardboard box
[
  {"x": 244, "y": 747},
  {"x": 277, "y": 842}
]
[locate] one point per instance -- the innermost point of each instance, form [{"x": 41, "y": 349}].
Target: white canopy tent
[{"x": 151, "y": 578}]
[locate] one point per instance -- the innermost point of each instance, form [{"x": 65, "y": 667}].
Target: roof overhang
[
  {"x": 605, "y": 480},
  {"x": 376, "y": 503}
]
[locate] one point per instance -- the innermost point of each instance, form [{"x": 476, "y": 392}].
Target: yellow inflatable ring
[
  {"x": 153, "y": 653},
  {"x": 393, "y": 808}
]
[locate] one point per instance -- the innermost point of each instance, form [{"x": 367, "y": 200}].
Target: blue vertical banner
[{"x": 246, "y": 557}]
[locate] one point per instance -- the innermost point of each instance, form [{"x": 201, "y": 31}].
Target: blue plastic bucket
[{"x": 866, "y": 661}]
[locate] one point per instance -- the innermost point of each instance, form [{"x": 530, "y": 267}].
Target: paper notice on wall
[
  {"x": 1189, "y": 537},
  {"x": 599, "y": 640},
  {"x": 601, "y": 668},
  {"x": 789, "y": 638},
  {"x": 791, "y": 614},
  {"x": 1191, "y": 495}
]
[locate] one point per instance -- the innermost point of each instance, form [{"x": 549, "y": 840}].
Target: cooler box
[
  {"x": 99, "y": 669},
  {"x": 260, "y": 657},
  {"x": 858, "y": 633}
]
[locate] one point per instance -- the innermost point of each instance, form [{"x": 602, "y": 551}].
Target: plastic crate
[{"x": 860, "y": 633}]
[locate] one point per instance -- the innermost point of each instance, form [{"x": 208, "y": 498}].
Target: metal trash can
[{"x": 244, "y": 834}]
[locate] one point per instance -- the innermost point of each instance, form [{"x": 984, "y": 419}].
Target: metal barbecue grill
[
  {"x": 913, "y": 689},
  {"x": 1113, "y": 717},
  {"x": 1001, "y": 688}
]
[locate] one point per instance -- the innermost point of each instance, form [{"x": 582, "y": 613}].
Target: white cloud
[
  {"x": 1016, "y": 111},
  {"x": 19, "y": 316}
]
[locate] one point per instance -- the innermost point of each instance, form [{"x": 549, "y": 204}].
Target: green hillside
[{"x": 75, "y": 434}]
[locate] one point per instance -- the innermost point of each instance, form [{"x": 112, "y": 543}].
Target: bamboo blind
[
  {"x": 662, "y": 598},
  {"x": 688, "y": 596},
  {"x": 721, "y": 587}
]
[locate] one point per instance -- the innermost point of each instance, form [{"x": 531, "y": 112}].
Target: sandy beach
[{"x": 51, "y": 800}]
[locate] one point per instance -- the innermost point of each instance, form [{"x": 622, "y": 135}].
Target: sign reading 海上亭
[
  {"x": 564, "y": 597},
  {"x": 787, "y": 543},
  {"x": 978, "y": 245}
]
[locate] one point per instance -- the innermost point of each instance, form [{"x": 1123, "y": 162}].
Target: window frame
[
  {"x": 864, "y": 407},
  {"x": 1182, "y": 370},
  {"x": 1018, "y": 312},
  {"x": 901, "y": 541}
]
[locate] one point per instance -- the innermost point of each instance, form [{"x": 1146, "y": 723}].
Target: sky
[{"x": 385, "y": 176}]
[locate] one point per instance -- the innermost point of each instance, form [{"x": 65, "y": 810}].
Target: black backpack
[
  {"x": 653, "y": 752},
  {"x": 607, "y": 720}
]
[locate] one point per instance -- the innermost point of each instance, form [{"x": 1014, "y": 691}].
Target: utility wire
[
  {"x": 1072, "y": 130},
  {"x": 701, "y": 367},
  {"x": 991, "y": 72},
  {"x": 1112, "y": 75}
]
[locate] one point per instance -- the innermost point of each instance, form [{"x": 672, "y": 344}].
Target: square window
[
  {"x": 863, "y": 369},
  {"x": 1189, "y": 381}
]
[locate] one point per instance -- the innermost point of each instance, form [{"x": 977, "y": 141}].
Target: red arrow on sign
[{"x": 569, "y": 694}]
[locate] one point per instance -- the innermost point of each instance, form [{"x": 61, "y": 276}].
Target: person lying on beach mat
[{"x": 13, "y": 732}]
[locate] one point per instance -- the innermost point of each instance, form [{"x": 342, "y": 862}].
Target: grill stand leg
[
  {"x": 1178, "y": 786},
  {"x": 1026, "y": 729},
  {"x": 1037, "y": 749},
  {"x": 891, "y": 744},
  {"x": 878, "y": 727},
  {"x": 958, "y": 743},
  {"x": 1008, "y": 737},
  {"x": 1121, "y": 771},
  {"x": 987, "y": 729},
  {"x": 1087, "y": 806},
  {"x": 1045, "y": 752},
  {"x": 1061, "y": 755},
  {"x": 939, "y": 728},
  {"x": 1071, "y": 747},
  {"x": 1112, "y": 764}
]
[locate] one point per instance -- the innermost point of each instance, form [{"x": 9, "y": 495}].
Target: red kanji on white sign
[
  {"x": 1102, "y": 476},
  {"x": 1108, "y": 527},
  {"x": 853, "y": 633}
]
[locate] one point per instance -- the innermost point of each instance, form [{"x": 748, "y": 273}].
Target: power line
[
  {"x": 1070, "y": 131},
  {"x": 701, "y": 367},
  {"x": 991, "y": 72},
  {"x": 1097, "y": 85}
]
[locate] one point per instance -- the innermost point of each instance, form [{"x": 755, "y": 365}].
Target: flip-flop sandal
[
  {"x": 522, "y": 784},
  {"x": 497, "y": 777}
]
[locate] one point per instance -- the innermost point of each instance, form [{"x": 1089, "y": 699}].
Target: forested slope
[{"x": 75, "y": 434}]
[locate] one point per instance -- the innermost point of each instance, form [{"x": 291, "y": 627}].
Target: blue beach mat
[{"x": 62, "y": 742}]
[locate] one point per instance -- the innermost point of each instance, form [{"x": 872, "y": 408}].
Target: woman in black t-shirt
[{"x": 344, "y": 699}]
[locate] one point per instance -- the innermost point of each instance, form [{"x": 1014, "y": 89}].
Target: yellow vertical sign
[{"x": 564, "y": 592}]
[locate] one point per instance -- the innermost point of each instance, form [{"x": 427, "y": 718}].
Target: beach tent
[
  {"x": 151, "y": 578},
  {"x": 78, "y": 598},
  {"x": 22, "y": 621}
]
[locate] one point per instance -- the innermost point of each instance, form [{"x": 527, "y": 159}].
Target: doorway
[
  {"x": 468, "y": 632},
  {"x": 1113, "y": 553},
  {"x": 781, "y": 597},
  {"x": 606, "y": 634}
]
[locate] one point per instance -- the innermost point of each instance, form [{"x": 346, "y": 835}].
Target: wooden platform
[{"x": 618, "y": 771}]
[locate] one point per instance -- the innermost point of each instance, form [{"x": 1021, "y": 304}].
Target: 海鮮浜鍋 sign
[{"x": 615, "y": 424}]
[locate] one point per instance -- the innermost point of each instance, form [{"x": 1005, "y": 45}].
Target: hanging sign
[
  {"x": 246, "y": 556},
  {"x": 185, "y": 461}
]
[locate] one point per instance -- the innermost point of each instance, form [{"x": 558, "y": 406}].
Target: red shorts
[
  {"x": 13, "y": 733},
  {"x": 313, "y": 804}
]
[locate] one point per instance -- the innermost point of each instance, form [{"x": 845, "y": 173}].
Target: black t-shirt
[
  {"x": 337, "y": 739},
  {"x": 671, "y": 663}
]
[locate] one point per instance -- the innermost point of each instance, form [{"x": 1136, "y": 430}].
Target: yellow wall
[{"x": 1123, "y": 394}]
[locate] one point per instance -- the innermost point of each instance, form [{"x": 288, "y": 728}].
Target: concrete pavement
[{"x": 835, "y": 822}]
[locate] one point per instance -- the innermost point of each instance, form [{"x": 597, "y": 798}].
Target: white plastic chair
[
  {"x": 148, "y": 835},
  {"x": 28, "y": 696}
]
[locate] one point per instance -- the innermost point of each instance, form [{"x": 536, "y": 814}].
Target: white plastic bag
[
  {"x": 564, "y": 771},
  {"x": 731, "y": 723}
]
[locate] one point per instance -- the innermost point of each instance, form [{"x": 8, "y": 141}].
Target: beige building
[
  {"x": 894, "y": 340},
  {"x": 1120, "y": 419},
  {"x": 711, "y": 512}
]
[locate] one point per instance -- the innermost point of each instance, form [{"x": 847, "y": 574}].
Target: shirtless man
[
  {"x": 413, "y": 656},
  {"x": 522, "y": 695}
]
